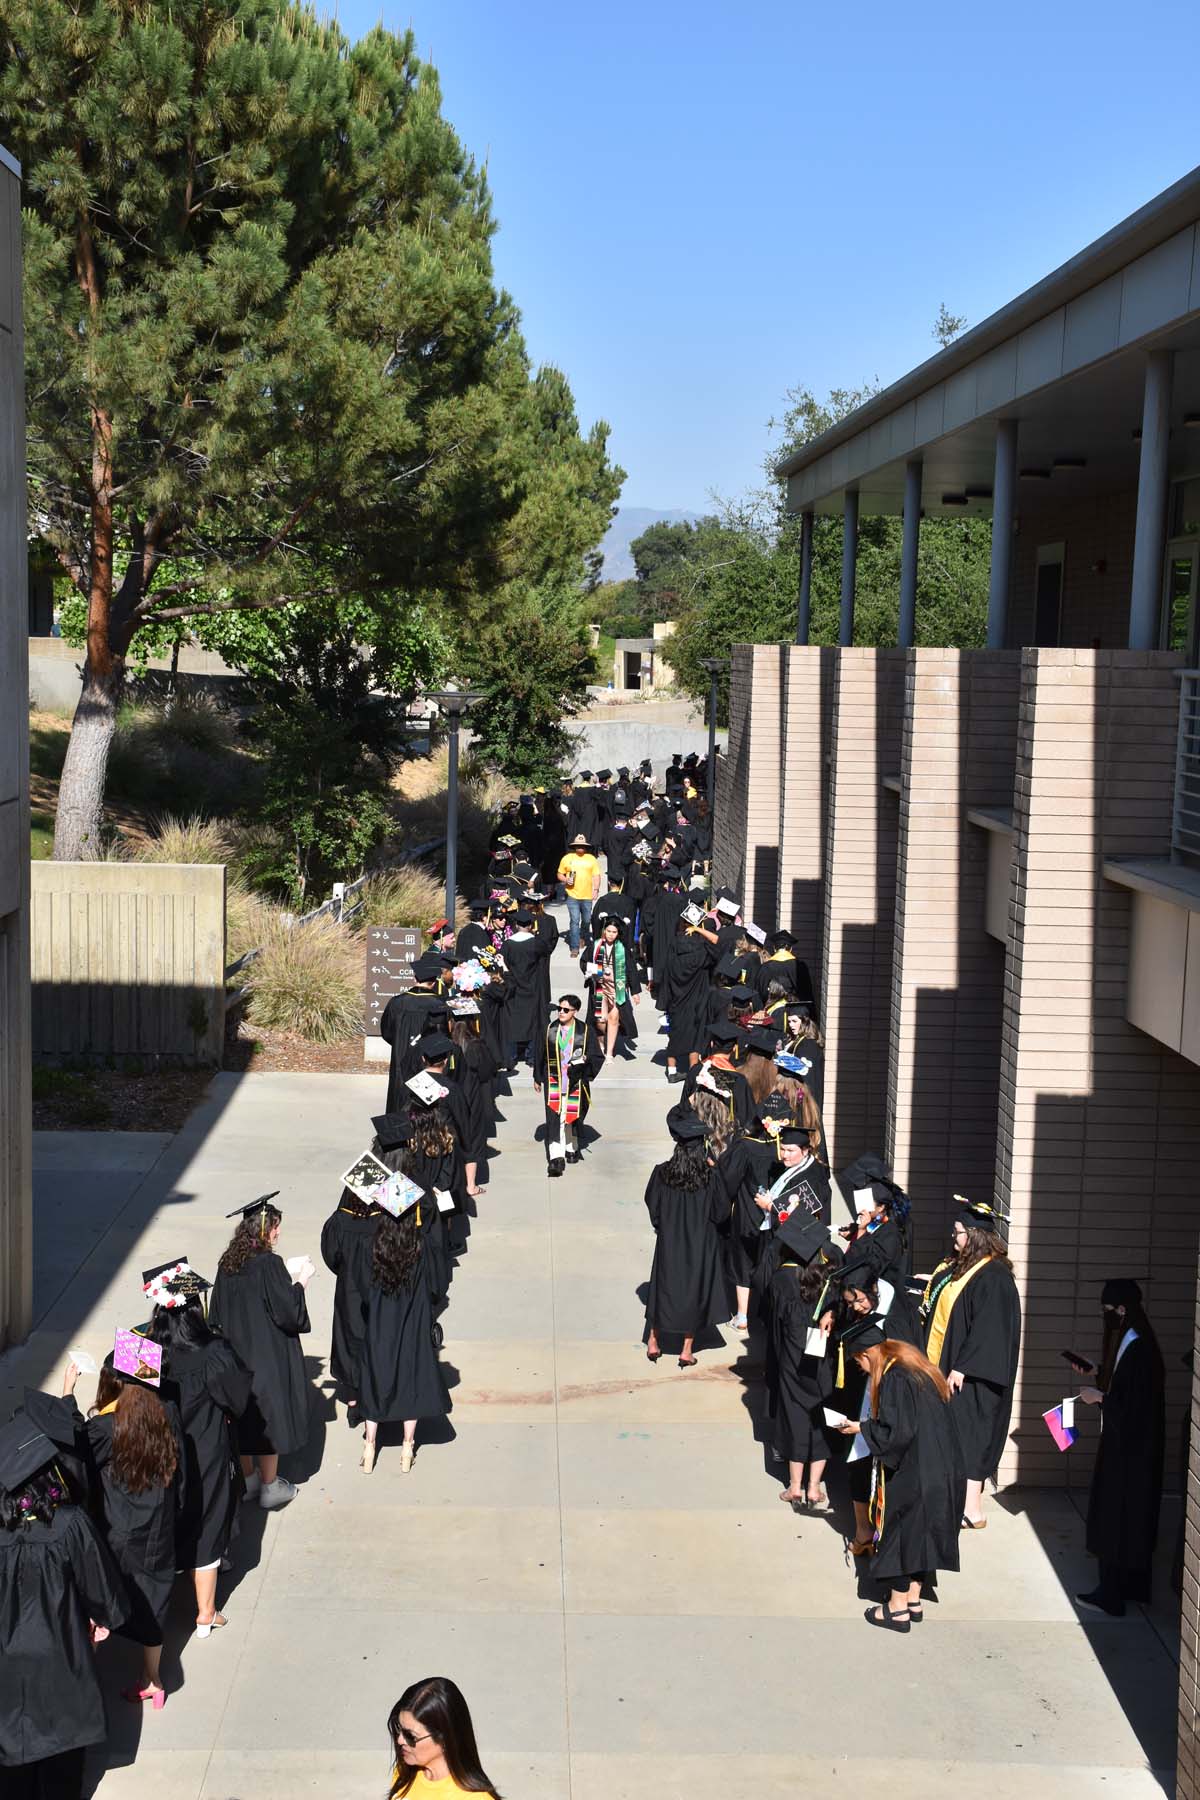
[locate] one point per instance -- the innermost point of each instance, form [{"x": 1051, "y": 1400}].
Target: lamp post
[
  {"x": 716, "y": 667},
  {"x": 453, "y": 702}
]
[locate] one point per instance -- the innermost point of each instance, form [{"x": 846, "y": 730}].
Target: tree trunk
[{"x": 77, "y": 826}]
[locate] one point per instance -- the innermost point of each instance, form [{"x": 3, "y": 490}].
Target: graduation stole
[
  {"x": 617, "y": 962},
  {"x": 561, "y": 1097},
  {"x": 937, "y": 1303},
  {"x": 877, "y": 1505}
]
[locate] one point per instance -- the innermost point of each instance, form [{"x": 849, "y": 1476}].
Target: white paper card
[
  {"x": 816, "y": 1342},
  {"x": 296, "y": 1266},
  {"x": 833, "y": 1418},
  {"x": 445, "y": 1201},
  {"x": 83, "y": 1362},
  {"x": 1068, "y": 1412},
  {"x": 864, "y": 1200},
  {"x": 590, "y": 970}
]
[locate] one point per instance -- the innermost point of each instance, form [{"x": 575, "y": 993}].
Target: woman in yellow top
[{"x": 433, "y": 1743}]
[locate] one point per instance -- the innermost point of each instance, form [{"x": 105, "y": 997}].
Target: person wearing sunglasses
[
  {"x": 565, "y": 1061},
  {"x": 434, "y": 1752}
]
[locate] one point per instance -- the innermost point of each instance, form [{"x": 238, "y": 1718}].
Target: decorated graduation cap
[
  {"x": 440, "y": 927},
  {"x": 975, "y": 1215},
  {"x": 256, "y": 1211},
  {"x": 775, "y": 1106},
  {"x": 755, "y": 933},
  {"x": 803, "y": 1236},
  {"x": 392, "y": 1129},
  {"x": 727, "y": 906},
  {"x": 173, "y": 1284},
  {"x": 434, "y": 1045},
  {"x": 685, "y": 1124},
  {"x": 25, "y": 1451}
]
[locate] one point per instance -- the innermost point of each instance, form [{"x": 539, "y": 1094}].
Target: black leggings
[{"x": 53, "y": 1778}]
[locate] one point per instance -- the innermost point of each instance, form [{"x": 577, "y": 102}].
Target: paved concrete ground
[{"x": 595, "y": 1551}]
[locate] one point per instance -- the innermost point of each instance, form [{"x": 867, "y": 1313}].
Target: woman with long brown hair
[
  {"x": 972, "y": 1315},
  {"x": 259, "y": 1304},
  {"x": 136, "y": 1449},
  {"x": 401, "y": 1376},
  {"x": 917, "y": 1478},
  {"x": 433, "y": 1743}
]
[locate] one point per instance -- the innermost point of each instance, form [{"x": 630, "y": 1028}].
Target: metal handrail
[{"x": 1185, "y": 815}]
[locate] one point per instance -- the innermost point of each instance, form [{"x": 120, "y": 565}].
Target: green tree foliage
[
  {"x": 534, "y": 665},
  {"x": 263, "y": 338}
]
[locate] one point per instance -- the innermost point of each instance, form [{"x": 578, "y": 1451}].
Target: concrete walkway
[{"x": 597, "y": 1554}]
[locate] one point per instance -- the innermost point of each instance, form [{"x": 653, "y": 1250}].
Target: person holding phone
[{"x": 1126, "y": 1491}]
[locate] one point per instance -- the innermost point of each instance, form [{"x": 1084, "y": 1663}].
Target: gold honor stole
[{"x": 943, "y": 1306}]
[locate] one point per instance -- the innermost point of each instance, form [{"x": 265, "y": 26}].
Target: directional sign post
[{"x": 391, "y": 953}]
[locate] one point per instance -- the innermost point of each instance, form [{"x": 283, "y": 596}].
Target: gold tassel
[{"x": 841, "y": 1374}]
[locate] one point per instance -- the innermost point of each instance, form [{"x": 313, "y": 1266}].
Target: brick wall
[
  {"x": 859, "y": 897},
  {"x": 1096, "y": 1142},
  {"x": 733, "y": 769},
  {"x": 806, "y": 704},
  {"x": 947, "y": 974}
]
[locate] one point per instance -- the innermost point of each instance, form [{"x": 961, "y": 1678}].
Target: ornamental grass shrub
[{"x": 308, "y": 980}]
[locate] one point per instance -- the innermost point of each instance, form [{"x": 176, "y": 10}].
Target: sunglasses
[{"x": 410, "y": 1738}]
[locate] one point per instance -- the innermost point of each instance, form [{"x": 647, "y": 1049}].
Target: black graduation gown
[
  {"x": 790, "y": 972},
  {"x": 443, "y": 1235},
  {"x": 401, "y": 1375},
  {"x": 140, "y": 1529},
  {"x": 584, "y": 815},
  {"x": 555, "y": 811},
  {"x": 578, "y": 1076},
  {"x": 525, "y": 988},
  {"x": 743, "y": 1169},
  {"x": 798, "y": 1385},
  {"x": 668, "y": 904},
  {"x": 813, "y": 1077},
  {"x": 347, "y": 1239},
  {"x": 54, "y": 1577},
  {"x": 473, "y": 938},
  {"x": 404, "y": 1023},
  {"x": 633, "y": 985},
  {"x": 546, "y": 931},
  {"x": 490, "y": 1001},
  {"x": 925, "y": 1485},
  {"x": 211, "y": 1388},
  {"x": 1126, "y": 1492},
  {"x": 983, "y": 1342},
  {"x": 734, "y": 1085},
  {"x": 687, "y": 1282},
  {"x": 263, "y": 1313},
  {"x": 685, "y": 994}
]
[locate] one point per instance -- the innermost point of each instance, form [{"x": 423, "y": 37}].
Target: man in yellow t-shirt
[{"x": 579, "y": 872}]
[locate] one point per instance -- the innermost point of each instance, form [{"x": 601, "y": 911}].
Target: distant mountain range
[{"x": 629, "y": 523}]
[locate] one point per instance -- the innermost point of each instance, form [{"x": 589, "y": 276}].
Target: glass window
[{"x": 1187, "y": 508}]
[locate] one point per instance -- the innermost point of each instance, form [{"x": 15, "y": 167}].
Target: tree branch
[{"x": 213, "y": 608}]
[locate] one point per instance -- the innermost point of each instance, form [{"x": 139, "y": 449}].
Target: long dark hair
[
  {"x": 980, "y": 1243},
  {"x": 439, "y": 1708},
  {"x": 688, "y": 1167},
  {"x": 37, "y": 1499},
  {"x": 180, "y": 1327},
  {"x": 358, "y": 1208},
  {"x": 396, "y": 1251},
  {"x": 144, "y": 1455},
  {"x": 431, "y": 1133},
  {"x": 250, "y": 1239}
]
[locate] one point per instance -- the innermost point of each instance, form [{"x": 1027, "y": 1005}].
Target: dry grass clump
[
  {"x": 308, "y": 980},
  {"x": 249, "y": 920},
  {"x": 176, "y": 840},
  {"x": 411, "y": 895}
]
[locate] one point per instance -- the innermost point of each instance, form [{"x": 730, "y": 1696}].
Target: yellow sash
[{"x": 945, "y": 1305}]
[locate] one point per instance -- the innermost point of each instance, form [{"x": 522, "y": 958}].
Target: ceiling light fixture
[
  {"x": 954, "y": 499},
  {"x": 1035, "y": 474},
  {"x": 1070, "y": 462}
]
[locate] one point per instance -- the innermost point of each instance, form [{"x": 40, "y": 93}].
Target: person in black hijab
[
  {"x": 60, "y": 1593},
  {"x": 1126, "y": 1492},
  {"x": 260, "y": 1306},
  {"x": 686, "y": 1205}
]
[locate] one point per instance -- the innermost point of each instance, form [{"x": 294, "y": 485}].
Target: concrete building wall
[
  {"x": 806, "y": 709},
  {"x": 1096, "y": 1144},
  {"x": 16, "y": 1245},
  {"x": 746, "y": 836},
  {"x": 1097, "y": 535},
  {"x": 860, "y": 897},
  {"x": 959, "y": 740},
  {"x": 129, "y": 961}
]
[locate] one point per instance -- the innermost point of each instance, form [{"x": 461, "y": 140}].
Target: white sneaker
[
  {"x": 277, "y": 1493},
  {"x": 253, "y": 1486}
]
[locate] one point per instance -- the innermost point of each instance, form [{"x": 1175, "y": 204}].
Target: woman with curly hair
[
  {"x": 972, "y": 1315},
  {"x": 259, "y": 1305},
  {"x": 401, "y": 1376},
  {"x": 685, "y": 1202},
  {"x": 60, "y": 1593},
  {"x": 433, "y": 1743},
  {"x": 137, "y": 1452}
]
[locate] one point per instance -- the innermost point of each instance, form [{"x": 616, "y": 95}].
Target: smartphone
[{"x": 1077, "y": 1362}]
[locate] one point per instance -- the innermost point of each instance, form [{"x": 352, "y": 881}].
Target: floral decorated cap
[{"x": 172, "y": 1284}]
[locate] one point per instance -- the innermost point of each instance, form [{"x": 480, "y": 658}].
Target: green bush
[{"x": 308, "y": 980}]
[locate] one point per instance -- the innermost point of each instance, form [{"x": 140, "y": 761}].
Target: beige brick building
[{"x": 992, "y": 857}]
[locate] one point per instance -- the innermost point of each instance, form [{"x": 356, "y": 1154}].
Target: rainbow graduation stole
[{"x": 561, "y": 1097}]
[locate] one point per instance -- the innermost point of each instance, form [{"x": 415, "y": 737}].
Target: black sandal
[
  {"x": 916, "y": 1611},
  {"x": 890, "y": 1621}
]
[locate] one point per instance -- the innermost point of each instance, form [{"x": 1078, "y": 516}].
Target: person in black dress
[
  {"x": 137, "y": 1453},
  {"x": 686, "y": 1206},
  {"x": 1126, "y": 1491},
  {"x": 917, "y": 1479},
  {"x": 972, "y": 1315},
  {"x": 60, "y": 1593},
  {"x": 401, "y": 1376},
  {"x": 347, "y": 1238},
  {"x": 211, "y": 1389},
  {"x": 799, "y": 1302},
  {"x": 258, "y": 1304}
]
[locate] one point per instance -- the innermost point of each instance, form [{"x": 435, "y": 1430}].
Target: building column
[
  {"x": 803, "y": 783},
  {"x": 849, "y": 560},
  {"x": 746, "y": 829},
  {"x": 1004, "y": 512},
  {"x": 1150, "y": 532},
  {"x": 804, "y": 605},
  {"x": 908, "y": 553},
  {"x": 859, "y": 896}
]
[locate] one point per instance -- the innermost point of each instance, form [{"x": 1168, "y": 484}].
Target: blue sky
[{"x": 700, "y": 206}]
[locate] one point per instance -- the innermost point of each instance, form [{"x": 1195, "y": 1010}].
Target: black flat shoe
[
  {"x": 890, "y": 1621},
  {"x": 916, "y": 1613},
  {"x": 653, "y": 1356},
  {"x": 1094, "y": 1603},
  {"x": 556, "y": 1167},
  {"x": 574, "y": 1156}
]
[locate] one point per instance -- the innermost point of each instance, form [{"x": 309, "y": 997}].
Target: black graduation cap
[
  {"x": 522, "y": 916},
  {"x": 620, "y": 809},
  {"x": 723, "y": 1033},
  {"x": 253, "y": 1206},
  {"x": 729, "y": 969},
  {"x": 741, "y": 995},
  {"x": 428, "y": 966},
  {"x": 975, "y": 1214},
  {"x": 803, "y": 1236},
  {"x": 782, "y": 940},
  {"x": 690, "y": 760},
  {"x": 480, "y": 907},
  {"x": 171, "y": 1284},
  {"x": 763, "y": 1040},
  {"x": 434, "y": 1045},
  {"x": 1121, "y": 1292},
  {"x": 795, "y": 1134},
  {"x": 585, "y": 774},
  {"x": 392, "y": 1129},
  {"x": 24, "y": 1450},
  {"x": 861, "y": 1275},
  {"x": 623, "y": 772},
  {"x": 524, "y": 871},
  {"x": 603, "y": 774},
  {"x": 684, "y": 1124},
  {"x": 862, "y": 1333}
]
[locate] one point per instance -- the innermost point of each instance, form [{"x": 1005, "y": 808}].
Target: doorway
[{"x": 633, "y": 668}]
